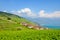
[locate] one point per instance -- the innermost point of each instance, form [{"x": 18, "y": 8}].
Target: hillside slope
[{"x": 12, "y": 22}]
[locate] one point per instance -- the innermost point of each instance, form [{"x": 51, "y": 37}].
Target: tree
[{"x": 9, "y": 18}]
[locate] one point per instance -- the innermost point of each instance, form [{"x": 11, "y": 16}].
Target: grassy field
[
  {"x": 30, "y": 35},
  {"x": 10, "y": 23}
]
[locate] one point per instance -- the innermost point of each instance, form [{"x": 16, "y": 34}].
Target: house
[
  {"x": 36, "y": 27},
  {"x": 30, "y": 26},
  {"x": 33, "y": 26},
  {"x": 24, "y": 24},
  {"x": 46, "y": 28},
  {"x": 41, "y": 28}
]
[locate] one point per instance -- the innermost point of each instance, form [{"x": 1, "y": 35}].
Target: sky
[{"x": 45, "y": 9}]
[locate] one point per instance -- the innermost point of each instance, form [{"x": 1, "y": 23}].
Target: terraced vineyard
[
  {"x": 9, "y": 29},
  {"x": 11, "y": 22},
  {"x": 30, "y": 35}
]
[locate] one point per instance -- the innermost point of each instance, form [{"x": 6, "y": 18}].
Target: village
[{"x": 31, "y": 26}]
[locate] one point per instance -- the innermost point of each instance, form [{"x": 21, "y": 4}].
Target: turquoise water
[{"x": 54, "y": 27}]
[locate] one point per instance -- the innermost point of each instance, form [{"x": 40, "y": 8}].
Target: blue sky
[
  {"x": 49, "y": 9},
  {"x": 34, "y": 5}
]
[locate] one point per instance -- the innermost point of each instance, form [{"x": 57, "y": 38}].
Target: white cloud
[
  {"x": 55, "y": 14},
  {"x": 12, "y": 11},
  {"x": 28, "y": 12},
  {"x": 16, "y": 12},
  {"x": 42, "y": 13},
  {"x": 4, "y": 11}
]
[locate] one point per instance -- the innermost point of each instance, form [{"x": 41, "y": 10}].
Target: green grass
[
  {"x": 8, "y": 29},
  {"x": 13, "y": 21},
  {"x": 30, "y": 35}
]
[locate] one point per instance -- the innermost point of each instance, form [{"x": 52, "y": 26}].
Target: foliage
[
  {"x": 11, "y": 29},
  {"x": 10, "y": 21},
  {"x": 30, "y": 35}
]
